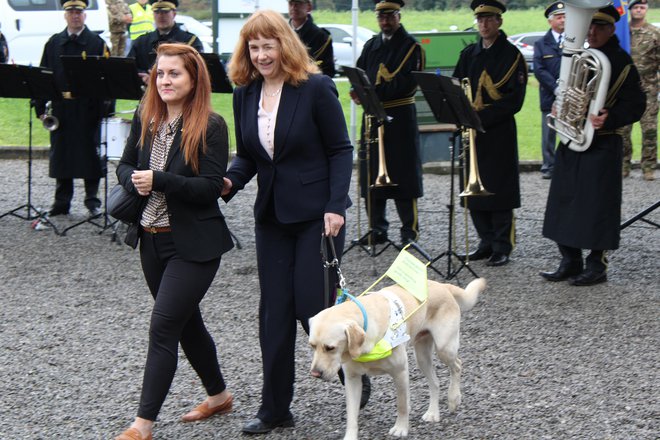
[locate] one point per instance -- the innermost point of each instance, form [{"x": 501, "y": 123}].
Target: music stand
[
  {"x": 373, "y": 110},
  {"x": 219, "y": 81},
  {"x": 450, "y": 105},
  {"x": 32, "y": 83},
  {"x": 98, "y": 77}
]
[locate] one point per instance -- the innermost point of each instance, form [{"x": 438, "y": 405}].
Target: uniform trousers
[
  {"x": 291, "y": 279},
  {"x": 595, "y": 261},
  {"x": 178, "y": 287},
  {"x": 64, "y": 195},
  {"x": 548, "y": 144},
  {"x": 496, "y": 230},
  {"x": 407, "y": 210}
]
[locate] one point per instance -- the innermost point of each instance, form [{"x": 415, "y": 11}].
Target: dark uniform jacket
[
  {"x": 498, "y": 77},
  {"x": 389, "y": 67},
  {"x": 584, "y": 202},
  {"x": 319, "y": 45},
  {"x": 4, "y": 49},
  {"x": 74, "y": 146},
  {"x": 547, "y": 61},
  {"x": 144, "y": 47},
  {"x": 198, "y": 227}
]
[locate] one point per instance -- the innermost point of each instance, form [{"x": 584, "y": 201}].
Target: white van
[{"x": 28, "y": 24}]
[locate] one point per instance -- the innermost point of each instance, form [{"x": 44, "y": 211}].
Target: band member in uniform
[
  {"x": 645, "y": 52},
  {"x": 74, "y": 146},
  {"x": 317, "y": 40},
  {"x": 584, "y": 203},
  {"x": 144, "y": 48},
  {"x": 389, "y": 59},
  {"x": 498, "y": 77},
  {"x": 4, "y": 49},
  {"x": 547, "y": 59}
]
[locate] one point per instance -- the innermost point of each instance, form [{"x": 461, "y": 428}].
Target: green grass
[{"x": 14, "y": 112}]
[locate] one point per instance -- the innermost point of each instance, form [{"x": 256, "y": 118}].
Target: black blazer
[
  {"x": 198, "y": 227},
  {"x": 310, "y": 172}
]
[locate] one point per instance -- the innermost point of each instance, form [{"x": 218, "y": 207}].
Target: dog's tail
[{"x": 467, "y": 298}]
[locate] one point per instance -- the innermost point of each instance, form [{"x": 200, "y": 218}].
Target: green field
[{"x": 14, "y": 112}]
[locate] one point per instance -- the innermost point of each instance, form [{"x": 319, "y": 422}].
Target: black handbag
[{"x": 125, "y": 206}]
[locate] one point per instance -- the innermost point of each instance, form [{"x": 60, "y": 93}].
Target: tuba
[{"x": 583, "y": 81}]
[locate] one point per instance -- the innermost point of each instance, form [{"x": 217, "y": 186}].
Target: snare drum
[{"x": 118, "y": 130}]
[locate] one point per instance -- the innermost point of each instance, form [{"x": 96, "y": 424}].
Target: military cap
[
  {"x": 635, "y": 2},
  {"x": 388, "y": 6},
  {"x": 164, "y": 5},
  {"x": 80, "y": 5},
  {"x": 555, "y": 8},
  {"x": 606, "y": 15},
  {"x": 487, "y": 7}
]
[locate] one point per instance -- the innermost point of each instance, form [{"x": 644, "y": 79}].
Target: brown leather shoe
[
  {"x": 649, "y": 175},
  {"x": 132, "y": 434},
  {"x": 204, "y": 412}
]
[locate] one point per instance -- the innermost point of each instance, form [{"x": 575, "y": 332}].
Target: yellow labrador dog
[{"x": 337, "y": 337}]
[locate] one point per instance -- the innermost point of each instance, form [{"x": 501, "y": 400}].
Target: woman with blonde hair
[
  {"x": 176, "y": 157},
  {"x": 291, "y": 134}
]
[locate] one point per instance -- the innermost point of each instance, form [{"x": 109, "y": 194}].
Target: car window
[
  {"x": 531, "y": 39},
  {"x": 338, "y": 34}
]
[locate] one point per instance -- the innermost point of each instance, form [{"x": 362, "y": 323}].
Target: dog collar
[{"x": 341, "y": 297}]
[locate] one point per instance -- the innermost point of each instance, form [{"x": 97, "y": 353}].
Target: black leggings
[{"x": 178, "y": 287}]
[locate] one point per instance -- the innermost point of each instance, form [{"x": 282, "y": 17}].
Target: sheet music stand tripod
[
  {"x": 98, "y": 77},
  {"x": 32, "y": 83},
  {"x": 449, "y": 105},
  {"x": 373, "y": 110}
]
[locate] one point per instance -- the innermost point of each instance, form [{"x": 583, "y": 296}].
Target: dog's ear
[{"x": 354, "y": 338}]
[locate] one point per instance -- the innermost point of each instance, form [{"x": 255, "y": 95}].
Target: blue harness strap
[{"x": 341, "y": 297}]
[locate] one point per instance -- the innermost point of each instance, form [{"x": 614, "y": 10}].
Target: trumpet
[
  {"x": 50, "y": 122},
  {"x": 473, "y": 186},
  {"x": 383, "y": 179}
]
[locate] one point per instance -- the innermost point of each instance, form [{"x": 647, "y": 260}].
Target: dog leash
[{"x": 341, "y": 293}]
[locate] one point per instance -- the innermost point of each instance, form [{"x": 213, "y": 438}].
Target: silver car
[
  {"x": 525, "y": 44},
  {"x": 342, "y": 42}
]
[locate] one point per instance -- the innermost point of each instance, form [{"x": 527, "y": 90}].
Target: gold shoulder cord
[
  {"x": 192, "y": 40},
  {"x": 384, "y": 74},
  {"x": 323, "y": 48},
  {"x": 611, "y": 93},
  {"x": 486, "y": 82}
]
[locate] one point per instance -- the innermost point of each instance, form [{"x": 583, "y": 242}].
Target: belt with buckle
[{"x": 156, "y": 229}]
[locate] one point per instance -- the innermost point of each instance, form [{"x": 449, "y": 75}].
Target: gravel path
[{"x": 541, "y": 360}]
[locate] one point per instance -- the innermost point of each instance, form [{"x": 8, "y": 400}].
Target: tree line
[{"x": 424, "y": 5}]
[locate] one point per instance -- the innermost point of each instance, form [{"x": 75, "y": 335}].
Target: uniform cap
[
  {"x": 487, "y": 7},
  {"x": 80, "y": 5},
  {"x": 606, "y": 15},
  {"x": 555, "y": 8},
  {"x": 388, "y": 6},
  {"x": 635, "y": 2},
  {"x": 164, "y": 5}
]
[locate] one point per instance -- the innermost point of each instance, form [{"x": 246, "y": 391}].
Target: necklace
[{"x": 272, "y": 95}]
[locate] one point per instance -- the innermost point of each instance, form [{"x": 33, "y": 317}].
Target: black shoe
[
  {"x": 547, "y": 175},
  {"x": 258, "y": 426},
  {"x": 57, "y": 211},
  {"x": 94, "y": 212},
  {"x": 588, "y": 278},
  {"x": 377, "y": 237},
  {"x": 366, "y": 387},
  {"x": 366, "y": 391},
  {"x": 497, "y": 259},
  {"x": 562, "y": 273},
  {"x": 479, "y": 254}
]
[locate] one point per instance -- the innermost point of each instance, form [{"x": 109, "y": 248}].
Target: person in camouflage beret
[
  {"x": 645, "y": 52},
  {"x": 119, "y": 17}
]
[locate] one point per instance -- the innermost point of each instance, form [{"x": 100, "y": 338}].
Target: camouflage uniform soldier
[
  {"x": 645, "y": 52},
  {"x": 119, "y": 16}
]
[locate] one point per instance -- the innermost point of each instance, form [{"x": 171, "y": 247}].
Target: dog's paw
[
  {"x": 399, "y": 431},
  {"x": 431, "y": 416}
]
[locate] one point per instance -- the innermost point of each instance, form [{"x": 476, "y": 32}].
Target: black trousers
[
  {"x": 292, "y": 289},
  {"x": 178, "y": 287},
  {"x": 407, "y": 210},
  {"x": 64, "y": 195},
  {"x": 595, "y": 261},
  {"x": 496, "y": 230}
]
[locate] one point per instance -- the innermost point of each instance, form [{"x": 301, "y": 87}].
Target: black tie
[
  {"x": 559, "y": 40},
  {"x": 73, "y": 37}
]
